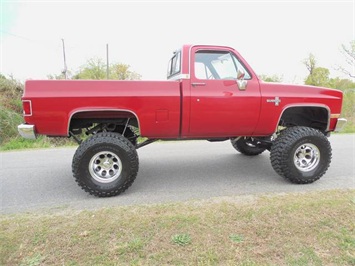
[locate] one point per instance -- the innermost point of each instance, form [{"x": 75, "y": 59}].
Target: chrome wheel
[
  {"x": 105, "y": 167},
  {"x": 306, "y": 157}
]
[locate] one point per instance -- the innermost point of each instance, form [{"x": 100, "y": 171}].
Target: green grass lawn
[{"x": 296, "y": 229}]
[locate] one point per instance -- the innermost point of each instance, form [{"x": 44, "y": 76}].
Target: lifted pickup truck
[{"x": 211, "y": 93}]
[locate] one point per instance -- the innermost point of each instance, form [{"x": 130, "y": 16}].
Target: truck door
[{"x": 219, "y": 108}]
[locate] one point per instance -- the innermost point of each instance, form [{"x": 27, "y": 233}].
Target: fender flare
[
  {"x": 311, "y": 105},
  {"x": 83, "y": 110}
]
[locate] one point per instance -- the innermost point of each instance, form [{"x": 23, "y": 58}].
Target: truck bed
[{"x": 155, "y": 104}]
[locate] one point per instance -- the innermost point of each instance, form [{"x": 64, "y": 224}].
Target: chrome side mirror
[{"x": 241, "y": 83}]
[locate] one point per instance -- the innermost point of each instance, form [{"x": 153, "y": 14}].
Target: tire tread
[
  {"x": 106, "y": 138},
  {"x": 282, "y": 146}
]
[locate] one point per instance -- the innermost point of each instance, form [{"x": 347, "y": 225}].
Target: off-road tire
[
  {"x": 302, "y": 155},
  {"x": 244, "y": 146},
  {"x": 119, "y": 164}
]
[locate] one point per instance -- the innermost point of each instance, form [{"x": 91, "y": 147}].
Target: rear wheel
[
  {"x": 247, "y": 146},
  {"x": 105, "y": 165},
  {"x": 301, "y": 154}
]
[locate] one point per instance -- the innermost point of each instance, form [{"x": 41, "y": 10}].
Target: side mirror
[
  {"x": 240, "y": 74},
  {"x": 241, "y": 83}
]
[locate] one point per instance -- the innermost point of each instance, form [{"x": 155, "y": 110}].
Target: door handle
[{"x": 198, "y": 84}]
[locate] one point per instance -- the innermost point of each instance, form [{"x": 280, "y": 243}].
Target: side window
[
  {"x": 217, "y": 65},
  {"x": 174, "y": 66},
  {"x": 202, "y": 71}
]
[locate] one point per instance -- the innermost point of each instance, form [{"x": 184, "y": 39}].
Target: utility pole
[
  {"x": 107, "y": 63},
  {"x": 65, "y": 61}
]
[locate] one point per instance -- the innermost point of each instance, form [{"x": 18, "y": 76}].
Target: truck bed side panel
[{"x": 155, "y": 103}]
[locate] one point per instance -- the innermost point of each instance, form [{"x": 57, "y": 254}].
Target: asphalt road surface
[{"x": 41, "y": 180}]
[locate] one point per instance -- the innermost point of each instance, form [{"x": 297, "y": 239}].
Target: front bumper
[
  {"x": 27, "y": 131},
  {"x": 340, "y": 123}
]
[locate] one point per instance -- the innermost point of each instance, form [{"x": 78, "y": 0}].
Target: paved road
[{"x": 169, "y": 172}]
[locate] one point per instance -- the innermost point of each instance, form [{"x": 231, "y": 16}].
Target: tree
[
  {"x": 95, "y": 68},
  {"x": 122, "y": 72},
  {"x": 349, "y": 53},
  {"x": 341, "y": 84},
  {"x": 319, "y": 77},
  {"x": 310, "y": 63},
  {"x": 60, "y": 76},
  {"x": 273, "y": 78}
]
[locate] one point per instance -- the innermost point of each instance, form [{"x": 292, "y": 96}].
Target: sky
[{"x": 273, "y": 36}]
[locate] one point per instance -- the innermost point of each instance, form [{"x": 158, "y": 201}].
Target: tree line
[
  {"x": 320, "y": 76},
  {"x": 96, "y": 68}
]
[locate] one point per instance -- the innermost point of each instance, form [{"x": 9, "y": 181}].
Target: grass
[
  {"x": 297, "y": 229},
  {"x": 349, "y": 127},
  {"x": 181, "y": 239},
  {"x": 19, "y": 143}
]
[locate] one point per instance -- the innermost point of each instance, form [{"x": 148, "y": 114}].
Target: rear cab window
[{"x": 174, "y": 65}]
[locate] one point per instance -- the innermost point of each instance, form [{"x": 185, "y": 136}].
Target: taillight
[{"x": 27, "y": 107}]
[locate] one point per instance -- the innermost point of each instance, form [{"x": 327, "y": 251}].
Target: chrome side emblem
[{"x": 277, "y": 101}]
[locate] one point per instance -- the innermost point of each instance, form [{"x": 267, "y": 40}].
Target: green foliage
[
  {"x": 236, "y": 238},
  {"x": 348, "y": 110},
  {"x": 310, "y": 63},
  {"x": 11, "y": 91},
  {"x": 307, "y": 256},
  {"x": 318, "y": 77},
  {"x": 9, "y": 120},
  {"x": 35, "y": 260},
  {"x": 95, "y": 68},
  {"x": 17, "y": 142},
  {"x": 341, "y": 84},
  {"x": 10, "y": 107},
  {"x": 122, "y": 72},
  {"x": 273, "y": 78},
  {"x": 181, "y": 239}
]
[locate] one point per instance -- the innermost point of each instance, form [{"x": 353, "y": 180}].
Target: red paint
[{"x": 174, "y": 109}]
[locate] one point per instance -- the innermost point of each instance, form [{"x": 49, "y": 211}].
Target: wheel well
[
  {"x": 87, "y": 119},
  {"x": 314, "y": 117}
]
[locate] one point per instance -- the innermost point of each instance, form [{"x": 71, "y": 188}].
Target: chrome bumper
[
  {"x": 341, "y": 122},
  {"x": 27, "y": 131}
]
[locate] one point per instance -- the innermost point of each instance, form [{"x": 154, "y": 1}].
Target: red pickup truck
[{"x": 211, "y": 93}]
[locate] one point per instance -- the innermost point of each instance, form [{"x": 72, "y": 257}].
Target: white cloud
[{"x": 273, "y": 36}]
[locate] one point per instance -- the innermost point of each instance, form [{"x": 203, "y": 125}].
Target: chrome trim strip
[
  {"x": 302, "y": 105},
  {"x": 27, "y": 131},
  {"x": 99, "y": 110}
]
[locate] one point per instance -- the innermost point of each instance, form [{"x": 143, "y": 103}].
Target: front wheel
[
  {"x": 105, "y": 165},
  {"x": 301, "y": 154}
]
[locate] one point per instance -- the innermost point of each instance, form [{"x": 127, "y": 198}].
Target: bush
[
  {"x": 9, "y": 120},
  {"x": 10, "y": 108}
]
